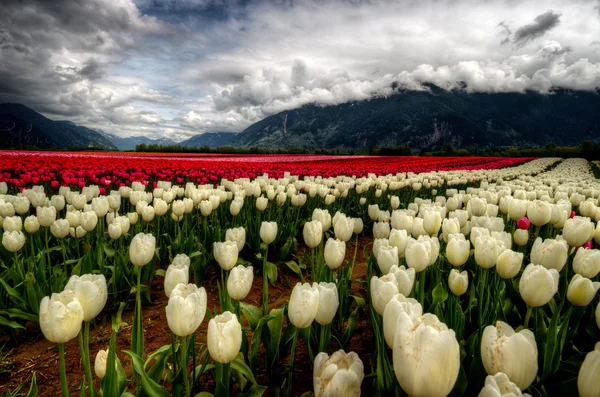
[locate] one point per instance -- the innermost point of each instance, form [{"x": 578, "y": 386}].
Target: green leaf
[
  {"x": 34, "y": 293},
  {"x": 271, "y": 272},
  {"x": 440, "y": 294},
  {"x": 108, "y": 251},
  {"x": 295, "y": 268},
  {"x": 14, "y": 295},
  {"x": 8, "y": 323},
  {"x": 255, "y": 343},
  {"x": 252, "y": 313},
  {"x": 33, "y": 389},
  {"x": 239, "y": 365},
  {"x": 160, "y": 272},
  {"x": 150, "y": 387},
  {"x": 110, "y": 383},
  {"x": 204, "y": 394},
  {"x": 274, "y": 326},
  {"x": 254, "y": 391}
]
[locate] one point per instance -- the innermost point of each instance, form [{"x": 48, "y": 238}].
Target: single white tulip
[
  {"x": 458, "y": 282},
  {"x": 386, "y": 258},
  {"x": 303, "y": 305},
  {"x": 13, "y": 241},
  {"x": 240, "y": 281},
  {"x": 358, "y": 225},
  {"x": 61, "y": 316},
  {"x": 381, "y": 230},
  {"x": 32, "y": 224},
  {"x": 458, "y": 251},
  {"x": 328, "y": 303},
  {"x": 186, "y": 309},
  {"x": 382, "y": 290},
  {"x": 141, "y": 249},
  {"x": 334, "y": 253},
  {"x": 100, "y": 363},
  {"x": 521, "y": 237},
  {"x": 589, "y": 374},
  {"x": 539, "y": 212},
  {"x": 177, "y": 273},
  {"x": 499, "y": 385},
  {"x": 486, "y": 251},
  {"x": 578, "y": 231},
  {"x": 312, "y": 233},
  {"x": 398, "y": 313},
  {"x": 323, "y": 216},
  {"x": 114, "y": 230},
  {"x": 552, "y": 254},
  {"x": 405, "y": 278},
  {"x": 509, "y": 263},
  {"x": 224, "y": 337},
  {"x": 587, "y": 262},
  {"x": 432, "y": 221},
  {"x": 226, "y": 254},
  {"x": 538, "y": 285},
  {"x": 46, "y": 215},
  {"x": 12, "y": 224},
  {"x": 399, "y": 239},
  {"x": 418, "y": 254},
  {"x": 261, "y": 203},
  {"x": 343, "y": 228},
  {"x": 91, "y": 291},
  {"x": 340, "y": 375},
  {"x": 268, "y": 232},
  {"x": 582, "y": 290}
]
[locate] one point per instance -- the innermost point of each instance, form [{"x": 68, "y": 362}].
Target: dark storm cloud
[{"x": 540, "y": 25}]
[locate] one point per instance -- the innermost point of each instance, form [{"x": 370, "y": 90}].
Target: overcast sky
[{"x": 176, "y": 68}]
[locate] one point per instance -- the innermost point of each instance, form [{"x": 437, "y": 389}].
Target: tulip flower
[
  {"x": 12, "y": 224},
  {"x": 226, "y": 254},
  {"x": 224, "y": 337},
  {"x": 405, "y": 278},
  {"x": 458, "y": 250},
  {"x": 141, "y": 249},
  {"x": 399, "y": 312},
  {"x": 235, "y": 207},
  {"x": 582, "y": 290},
  {"x": 334, "y": 253},
  {"x": 418, "y": 254},
  {"x": 100, "y": 363},
  {"x": 31, "y": 224},
  {"x": 13, "y": 241},
  {"x": 381, "y": 230},
  {"x": 382, "y": 290},
  {"x": 499, "y": 385},
  {"x": 261, "y": 203},
  {"x": 509, "y": 263},
  {"x": 237, "y": 235},
  {"x": 328, "y": 303},
  {"x": 46, "y": 215},
  {"x": 577, "y": 231},
  {"x": 340, "y": 375},
  {"x": 186, "y": 309},
  {"x": 358, "y": 225},
  {"x": 552, "y": 254},
  {"x": 343, "y": 228},
  {"x": 521, "y": 237},
  {"x": 458, "y": 282},
  {"x": 114, "y": 230},
  {"x": 538, "y": 285},
  {"x": 539, "y": 212},
  {"x": 399, "y": 239},
  {"x": 304, "y": 305},
  {"x": 268, "y": 232},
  {"x": 432, "y": 221},
  {"x": 450, "y": 226},
  {"x": 523, "y": 223},
  {"x": 589, "y": 373},
  {"x": 312, "y": 233},
  {"x": 517, "y": 209},
  {"x": 486, "y": 251},
  {"x": 510, "y": 352},
  {"x": 386, "y": 258},
  {"x": 205, "y": 207},
  {"x": 323, "y": 216},
  {"x": 478, "y": 206},
  {"x": 240, "y": 281},
  {"x": 91, "y": 291},
  {"x": 426, "y": 357},
  {"x": 177, "y": 273},
  {"x": 587, "y": 262}
]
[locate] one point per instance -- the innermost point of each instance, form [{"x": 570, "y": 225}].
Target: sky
[{"x": 176, "y": 68}]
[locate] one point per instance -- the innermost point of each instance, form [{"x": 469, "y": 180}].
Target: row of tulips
[{"x": 445, "y": 273}]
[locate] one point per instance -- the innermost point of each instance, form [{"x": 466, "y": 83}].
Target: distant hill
[
  {"x": 24, "y": 128},
  {"x": 433, "y": 119},
  {"x": 129, "y": 143},
  {"x": 211, "y": 139}
]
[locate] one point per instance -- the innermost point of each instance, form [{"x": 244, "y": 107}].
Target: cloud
[{"x": 540, "y": 26}]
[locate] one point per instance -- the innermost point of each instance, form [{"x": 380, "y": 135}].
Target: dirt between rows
[{"x": 33, "y": 353}]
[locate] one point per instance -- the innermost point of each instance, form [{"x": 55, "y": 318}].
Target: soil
[{"x": 33, "y": 352}]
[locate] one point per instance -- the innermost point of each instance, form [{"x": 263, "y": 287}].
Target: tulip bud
[
  {"x": 334, "y": 253},
  {"x": 77, "y": 232},
  {"x": 552, "y": 254},
  {"x": 426, "y": 350},
  {"x": 268, "y": 232},
  {"x": 12, "y": 224},
  {"x": 587, "y": 262},
  {"x": 405, "y": 279},
  {"x": 450, "y": 226},
  {"x": 338, "y": 375},
  {"x": 343, "y": 228},
  {"x": 261, "y": 203},
  {"x": 381, "y": 230},
  {"x": 382, "y": 290},
  {"x": 303, "y": 305},
  {"x": 322, "y": 216},
  {"x": 399, "y": 239},
  {"x": 46, "y": 215},
  {"x": 91, "y": 291},
  {"x": 478, "y": 206},
  {"x": 328, "y": 303},
  {"x": 141, "y": 249},
  {"x": 205, "y": 207},
  {"x": 224, "y": 337},
  {"x": 237, "y": 235},
  {"x": 432, "y": 221},
  {"x": 577, "y": 231},
  {"x": 61, "y": 316},
  {"x": 500, "y": 386},
  {"x": 458, "y": 250},
  {"x": 418, "y": 254},
  {"x": 186, "y": 309},
  {"x": 509, "y": 263},
  {"x": 13, "y": 241},
  {"x": 358, "y": 225},
  {"x": 515, "y": 354},
  {"x": 373, "y": 211},
  {"x": 538, "y": 285},
  {"x": 312, "y": 233},
  {"x": 114, "y": 230},
  {"x": 486, "y": 252},
  {"x": 240, "y": 281},
  {"x": 458, "y": 282},
  {"x": 100, "y": 363},
  {"x": 589, "y": 374},
  {"x": 177, "y": 273},
  {"x": 395, "y": 315},
  {"x": 582, "y": 290},
  {"x": 133, "y": 217},
  {"x": 31, "y": 224},
  {"x": 226, "y": 254},
  {"x": 386, "y": 258},
  {"x": 517, "y": 208},
  {"x": 521, "y": 237},
  {"x": 539, "y": 212},
  {"x": 523, "y": 223},
  {"x": 89, "y": 220}
]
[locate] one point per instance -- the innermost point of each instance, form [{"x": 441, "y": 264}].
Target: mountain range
[{"x": 429, "y": 119}]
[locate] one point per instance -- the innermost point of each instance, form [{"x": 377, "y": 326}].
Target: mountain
[
  {"x": 211, "y": 139},
  {"x": 129, "y": 143},
  {"x": 432, "y": 119},
  {"x": 24, "y": 128}
]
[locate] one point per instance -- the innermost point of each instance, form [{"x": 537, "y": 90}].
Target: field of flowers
[{"x": 161, "y": 275}]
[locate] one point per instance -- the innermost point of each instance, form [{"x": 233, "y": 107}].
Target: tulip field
[{"x": 128, "y": 274}]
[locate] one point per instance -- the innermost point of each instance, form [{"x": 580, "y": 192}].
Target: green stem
[
  {"x": 265, "y": 297},
  {"x": 184, "y": 357},
  {"x": 63, "y": 371},
  {"x": 322, "y": 338},
  {"x": 173, "y": 353},
  {"x": 422, "y": 277},
  {"x": 291, "y": 365},
  {"x": 527, "y": 316}
]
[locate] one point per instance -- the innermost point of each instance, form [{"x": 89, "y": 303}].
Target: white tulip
[
  {"x": 398, "y": 313},
  {"x": 61, "y": 316},
  {"x": 312, "y": 233},
  {"x": 589, "y": 374},
  {"x": 239, "y": 282},
  {"x": 382, "y": 290},
  {"x": 405, "y": 278},
  {"x": 582, "y": 290},
  {"x": 177, "y": 273},
  {"x": 186, "y": 309},
  {"x": 226, "y": 254},
  {"x": 328, "y": 303},
  {"x": 224, "y": 337},
  {"x": 141, "y": 249},
  {"x": 500, "y": 386},
  {"x": 91, "y": 291},
  {"x": 458, "y": 282},
  {"x": 268, "y": 232},
  {"x": 334, "y": 253},
  {"x": 538, "y": 285},
  {"x": 340, "y": 375},
  {"x": 304, "y": 305},
  {"x": 587, "y": 262}
]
